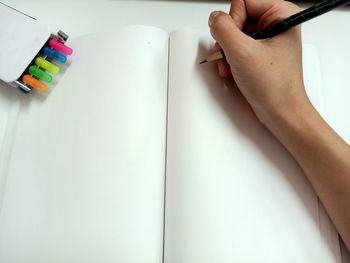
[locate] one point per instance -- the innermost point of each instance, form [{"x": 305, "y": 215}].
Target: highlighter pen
[
  {"x": 40, "y": 74},
  {"x": 282, "y": 26},
  {"x": 33, "y": 82},
  {"x": 43, "y": 63},
  {"x": 54, "y": 55}
]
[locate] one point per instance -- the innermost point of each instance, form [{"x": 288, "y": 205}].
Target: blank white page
[
  {"x": 86, "y": 175},
  {"x": 233, "y": 193}
]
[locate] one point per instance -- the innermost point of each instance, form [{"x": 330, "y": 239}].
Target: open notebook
[{"x": 141, "y": 155}]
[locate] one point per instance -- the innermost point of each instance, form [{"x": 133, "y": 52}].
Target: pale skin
[{"x": 269, "y": 75}]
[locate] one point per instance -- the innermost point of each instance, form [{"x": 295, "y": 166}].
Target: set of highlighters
[
  {"x": 40, "y": 72},
  {"x": 29, "y": 54}
]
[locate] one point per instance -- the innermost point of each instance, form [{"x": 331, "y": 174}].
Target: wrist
[{"x": 295, "y": 117}]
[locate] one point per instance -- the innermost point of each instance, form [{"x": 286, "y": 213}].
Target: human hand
[{"x": 268, "y": 72}]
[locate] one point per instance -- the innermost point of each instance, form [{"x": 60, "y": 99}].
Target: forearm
[{"x": 323, "y": 156}]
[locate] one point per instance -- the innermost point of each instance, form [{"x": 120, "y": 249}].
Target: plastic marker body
[
  {"x": 60, "y": 47},
  {"x": 33, "y": 82},
  {"x": 36, "y": 71},
  {"x": 54, "y": 55},
  {"x": 41, "y": 62}
]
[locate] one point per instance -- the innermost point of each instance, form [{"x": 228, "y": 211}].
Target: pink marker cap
[{"x": 60, "y": 47}]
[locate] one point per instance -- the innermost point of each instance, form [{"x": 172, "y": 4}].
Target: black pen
[{"x": 284, "y": 25}]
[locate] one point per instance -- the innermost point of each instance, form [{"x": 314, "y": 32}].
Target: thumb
[{"x": 225, "y": 31}]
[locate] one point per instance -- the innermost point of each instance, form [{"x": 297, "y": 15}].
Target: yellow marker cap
[
  {"x": 47, "y": 65},
  {"x": 33, "y": 82}
]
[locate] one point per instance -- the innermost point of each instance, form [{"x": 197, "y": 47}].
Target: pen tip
[{"x": 203, "y": 61}]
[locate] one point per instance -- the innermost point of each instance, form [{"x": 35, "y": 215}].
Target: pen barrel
[
  {"x": 298, "y": 18},
  {"x": 282, "y": 26},
  {"x": 314, "y": 11},
  {"x": 271, "y": 31}
]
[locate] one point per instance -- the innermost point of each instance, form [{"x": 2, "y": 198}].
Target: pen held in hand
[{"x": 284, "y": 25}]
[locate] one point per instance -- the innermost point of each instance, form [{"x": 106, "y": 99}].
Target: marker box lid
[{"x": 21, "y": 38}]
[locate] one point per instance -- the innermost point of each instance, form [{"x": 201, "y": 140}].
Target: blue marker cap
[{"x": 53, "y": 54}]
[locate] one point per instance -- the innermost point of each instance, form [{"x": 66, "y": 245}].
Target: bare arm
[
  {"x": 323, "y": 156},
  {"x": 269, "y": 75}
]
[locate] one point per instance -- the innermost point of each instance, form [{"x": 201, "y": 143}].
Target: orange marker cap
[{"x": 33, "y": 82}]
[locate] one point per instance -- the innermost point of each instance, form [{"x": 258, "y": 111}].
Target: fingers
[
  {"x": 256, "y": 8},
  {"x": 266, "y": 12},
  {"x": 225, "y": 31},
  {"x": 277, "y": 12},
  {"x": 224, "y": 68},
  {"x": 238, "y": 13}
]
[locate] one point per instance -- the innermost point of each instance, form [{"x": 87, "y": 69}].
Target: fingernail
[{"x": 212, "y": 16}]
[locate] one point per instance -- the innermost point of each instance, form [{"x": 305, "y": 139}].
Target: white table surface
[{"x": 330, "y": 33}]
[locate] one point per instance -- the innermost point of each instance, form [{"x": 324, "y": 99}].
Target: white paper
[
  {"x": 86, "y": 176},
  {"x": 82, "y": 179},
  {"x": 233, "y": 193}
]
